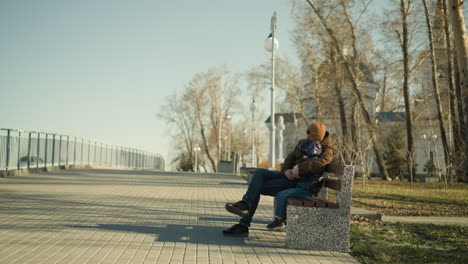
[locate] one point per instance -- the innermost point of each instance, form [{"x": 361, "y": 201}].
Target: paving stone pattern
[{"x": 121, "y": 216}]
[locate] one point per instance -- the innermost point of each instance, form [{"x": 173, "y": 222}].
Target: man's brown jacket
[{"x": 310, "y": 166}]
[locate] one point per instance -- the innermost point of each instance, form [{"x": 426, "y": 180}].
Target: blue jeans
[
  {"x": 282, "y": 199},
  {"x": 264, "y": 182}
]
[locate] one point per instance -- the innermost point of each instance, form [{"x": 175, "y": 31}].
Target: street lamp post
[
  {"x": 281, "y": 128},
  {"x": 228, "y": 158},
  {"x": 430, "y": 165},
  {"x": 271, "y": 44},
  {"x": 196, "y": 149},
  {"x": 253, "y": 106},
  {"x": 244, "y": 133}
]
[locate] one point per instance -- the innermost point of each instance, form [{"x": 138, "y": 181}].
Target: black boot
[
  {"x": 237, "y": 230},
  {"x": 240, "y": 208},
  {"x": 278, "y": 224}
]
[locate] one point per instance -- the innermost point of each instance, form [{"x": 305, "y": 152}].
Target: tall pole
[
  {"x": 253, "y": 106},
  {"x": 281, "y": 128},
  {"x": 461, "y": 53},
  {"x": 272, "y": 127},
  {"x": 229, "y": 139},
  {"x": 196, "y": 161},
  {"x": 196, "y": 149}
]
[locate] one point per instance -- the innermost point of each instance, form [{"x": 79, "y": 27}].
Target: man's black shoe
[
  {"x": 278, "y": 224},
  {"x": 240, "y": 208},
  {"x": 237, "y": 231}
]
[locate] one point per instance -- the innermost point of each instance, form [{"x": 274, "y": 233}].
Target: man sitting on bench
[
  {"x": 271, "y": 183},
  {"x": 307, "y": 186}
]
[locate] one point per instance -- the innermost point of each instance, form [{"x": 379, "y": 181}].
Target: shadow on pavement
[
  {"x": 180, "y": 233},
  {"x": 230, "y": 220}
]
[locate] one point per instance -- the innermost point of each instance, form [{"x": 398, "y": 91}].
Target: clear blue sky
[{"x": 102, "y": 69}]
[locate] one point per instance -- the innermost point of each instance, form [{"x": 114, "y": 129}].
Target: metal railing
[{"x": 28, "y": 149}]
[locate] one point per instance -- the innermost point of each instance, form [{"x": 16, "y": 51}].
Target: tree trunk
[
  {"x": 341, "y": 107},
  {"x": 461, "y": 120},
  {"x": 354, "y": 153},
  {"x": 357, "y": 92},
  {"x": 454, "y": 100},
  {"x": 461, "y": 114},
  {"x": 435, "y": 85},
  {"x": 406, "y": 93},
  {"x": 461, "y": 51},
  {"x": 384, "y": 90},
  {"x": 202, "y": 132}
]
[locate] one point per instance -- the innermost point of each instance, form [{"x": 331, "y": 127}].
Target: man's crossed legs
[{"x": 264, "y": 182}]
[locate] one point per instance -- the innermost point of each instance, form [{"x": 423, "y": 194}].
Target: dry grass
[
  {"x": 383, "y": 242},
  {"x": 423, "y": 199}
]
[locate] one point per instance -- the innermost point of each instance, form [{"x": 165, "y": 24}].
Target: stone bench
[{"x": 320, "y": 224}]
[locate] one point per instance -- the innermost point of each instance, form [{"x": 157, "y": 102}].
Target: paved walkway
[{"x": 112, "y": 216}]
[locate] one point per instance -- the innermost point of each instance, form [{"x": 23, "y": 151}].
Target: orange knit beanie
[{"x": 316, "y": 131}]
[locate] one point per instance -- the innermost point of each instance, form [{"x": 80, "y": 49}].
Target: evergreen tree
[{"x": 394, "y": 159}]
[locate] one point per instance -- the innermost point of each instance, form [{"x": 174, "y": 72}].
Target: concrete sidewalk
[{"x": 118, "y": 216}]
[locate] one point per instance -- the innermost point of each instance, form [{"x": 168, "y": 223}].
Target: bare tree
[
  {"x": 197, "y": 94},
  {"x": 456, "y": 109},
  {"x": 199, "y": 114},
  {"x": 354, "y": 85},
  {"x": 461, "y": 50},
  {"x": 435, "y": 85},
  {"x": 405, "y": 7},
  {"x": 177, "y": 112},
  {"x": 287, "y": 79}
]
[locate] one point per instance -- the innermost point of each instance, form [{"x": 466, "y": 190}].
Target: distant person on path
[{"x": 297, "y": 174}]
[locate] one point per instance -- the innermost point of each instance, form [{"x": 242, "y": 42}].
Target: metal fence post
[
  {"x": 74, "y": 153},
  {"x": 117, "y": 156},
  {"x": 95, "y": 147},
  {"x": 53, "y": 149},
  {"x": 18, "y": 156},
  {"x": 127, "y": 162},
  {"x": 45, "y": 151},
  {"x": 60, "y": 150},
  {"x": 38, "y": 149},
  {"x": 106, "y": 155},
  {"x": 89, "y": 151},
  {"x": 7, "y": 150},
  {"x": 66, "y": 157},
  {"x": 29, "y": 150},
  {"x": 111, "y": 154},
  {"x": 82, "y": 146},
  {"x": 136, "y": 159},
  {"x": 121, "y": 157},
  {"x": 127, "y": 156}
]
